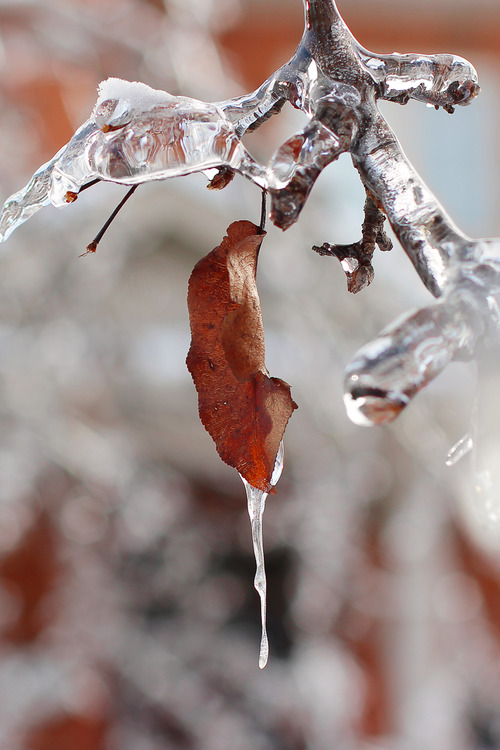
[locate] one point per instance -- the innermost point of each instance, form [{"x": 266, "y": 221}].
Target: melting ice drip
[{"x": 256, "y": 503}]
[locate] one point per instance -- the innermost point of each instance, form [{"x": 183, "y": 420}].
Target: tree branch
[{"x": 137, "y": 135}]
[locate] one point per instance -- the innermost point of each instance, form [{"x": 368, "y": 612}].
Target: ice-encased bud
[
  {"x": 112, "y": 114},
  {"x": 175, "y": 138}
]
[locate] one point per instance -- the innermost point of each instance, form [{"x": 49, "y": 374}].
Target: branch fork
[{"x": 137, "y": 134}]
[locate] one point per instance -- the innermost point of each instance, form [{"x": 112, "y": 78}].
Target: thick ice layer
[
  {"x": 136, "y": 134},
  {"x": 389, "y": 371},
  {"x": 442, "y": 80}
]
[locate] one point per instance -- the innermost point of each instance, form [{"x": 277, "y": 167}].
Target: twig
[{"x": 92, "y": 246}]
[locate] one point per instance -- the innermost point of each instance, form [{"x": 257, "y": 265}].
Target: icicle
[
  {"x": 459, "y": 450},
  {"x": 256, "y": 503}
]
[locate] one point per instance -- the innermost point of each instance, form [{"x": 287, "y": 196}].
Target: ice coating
[
  {"x": 38, "y": 192},
  {"x": 388, "y": 372},
  {"x": 149, "y": 134},
  {"x": 137, "y": 134},
  {"x": 256, "y": 501},
  {"x": 441, "y": 80}
]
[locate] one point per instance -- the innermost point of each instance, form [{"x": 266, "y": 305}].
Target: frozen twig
[{"x": 356, "y": 258}]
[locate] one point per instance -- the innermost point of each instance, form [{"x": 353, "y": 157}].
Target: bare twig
[
  {"x": 356, "y": 257},
  {"x": 92, "y": 246}
]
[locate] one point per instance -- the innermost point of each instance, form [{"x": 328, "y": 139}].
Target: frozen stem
[{"x": 356, "y": 257}]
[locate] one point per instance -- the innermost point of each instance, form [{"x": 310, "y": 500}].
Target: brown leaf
[{"x": 243, "y": 409}]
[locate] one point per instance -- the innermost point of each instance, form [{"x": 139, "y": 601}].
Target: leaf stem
[
  {"x": 92, "y": 246},
  {"x": 263, "y": 212}
]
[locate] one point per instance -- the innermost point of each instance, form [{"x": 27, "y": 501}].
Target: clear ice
[
  {"x": 256, "y": 500},
  {"x": 388, "y": 372},
  {"x": 138, "y": 134}
]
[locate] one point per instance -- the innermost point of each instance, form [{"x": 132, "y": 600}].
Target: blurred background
[{"x": 128, "y": 618}]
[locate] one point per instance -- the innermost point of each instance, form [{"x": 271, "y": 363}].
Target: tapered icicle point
[
  {"x": 256, "y": 503},
  {"x": 256, "y": 500}
]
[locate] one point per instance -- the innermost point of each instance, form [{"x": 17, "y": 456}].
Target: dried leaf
[{"x": 243, "y": 409}]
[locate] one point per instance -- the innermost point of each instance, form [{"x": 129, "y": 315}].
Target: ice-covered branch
[
  {"x": 137, "y": 134},
  {"x": 389, "y": 371}
]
